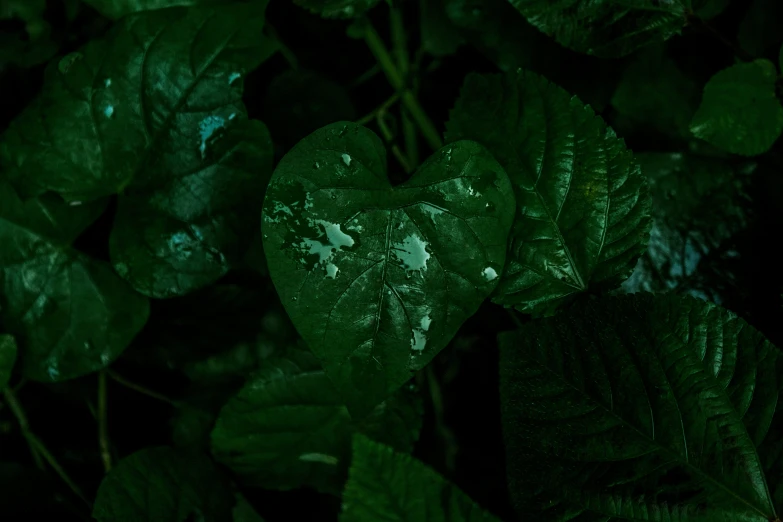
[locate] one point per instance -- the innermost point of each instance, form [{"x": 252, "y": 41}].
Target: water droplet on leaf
[{"x": 67, "y": 62}]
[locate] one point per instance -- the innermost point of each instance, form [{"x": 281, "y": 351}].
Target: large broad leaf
[
  {"x": 583, "y": 204},
  {"x": 8, "y": 352},
  {"x": 288, "y": 427},
  {"x": 606, "y": 27},
  {"x": 154, "y": 112},
  {"x": 70, "y": 314},
  {"x": 644, "y": 408},
  {"x": 391, "y": 486},
  {"x": 164, "y": 485},
  {"x": 740, "y": 112},
  {"x": 378, "y": 279},
  {"x": 337, "y": 8}
]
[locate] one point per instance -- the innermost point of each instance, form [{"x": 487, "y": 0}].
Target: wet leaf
[
  {"x": 288, "y": 427},
  {"x": 739, "y": 111},
  {"x": 583, "y": 204},
  {"x": 386, "y": 485},
  {"x": 605, "y": 27},
  {"x": 154, "y": 113},
  {"x": 378, "y": 279},
  {"x": 165, "y": 485},
  {"x": 70, "y": 314},
  {"x": 643, "y": 408},
  {"x": 7, "y": 358}
]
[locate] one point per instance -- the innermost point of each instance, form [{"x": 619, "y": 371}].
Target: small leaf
[
  {"x": 644, "y": 407},
  {"x": 288, "y": 427},
  {"x": 116, "y": 9},
  {"x": 605, "y": 27},
  {"x": 391, "y": 486},
  {"x": 154, "y": 112},
  {"x": 377, "y": 279},
  {"x": 7, "y": 358},
  {"x": 583, "y": 204},
  {"x": 342, "y": 9},
  {"x": 739, "y": 111},
  {"x": 71, "y": 315},
  {"x": 165, "y": 485}
]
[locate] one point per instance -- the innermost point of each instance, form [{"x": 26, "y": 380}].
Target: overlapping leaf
[
  {"x": 154, "y": 113},
  {"x": 164, "y": 485},
  {"x": 70, "y": 314},
  {"x": 606, "y": 27},
  {"x": 386, "y": 485},
  {"x": 377, "y": 279},
  {"x": 644, "y": 408},
  {"x": 583, "y": 204},
  {"x": 288, "y": 427},
  {"x": 740, "y": 112}
]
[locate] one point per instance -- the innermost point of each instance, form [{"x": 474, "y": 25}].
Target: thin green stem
[
  {"x": 367, "y": 118},
  {"x": 400, "y": 52},
  {"x": 449, "y": 441},
  {"x": 512, "y": 313},
  {"x": 289, "y": 56},
  {"x": 141, "y": 389},
  {"x": 103, "y": 425},
  {"x": 380, "y": 118},
  {"x": 36, "y": 446},
  {"x": 384, "y": 59},
  {"x": 365, "y": 76}
]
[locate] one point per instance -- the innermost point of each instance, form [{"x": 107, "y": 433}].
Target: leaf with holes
[
  {"x": 154, "y": 112},
  {"x": 288, "y": 427},
  {"x": 605, "y": 27},
  {"x": 643, "y": 408},
  {"x": 377, "y": 279},
  {"x": 583, "y": 205},
  {"x": 70, "y": 314},
  {"x": 165, "y": 485}
]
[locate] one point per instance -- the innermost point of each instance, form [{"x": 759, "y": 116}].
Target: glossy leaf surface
[{"x": 583, "y": 204}]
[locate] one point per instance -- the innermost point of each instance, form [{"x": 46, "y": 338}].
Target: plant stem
[
  {"x": 436, "y": 394},
  {"x": 364, "y": 120},
  {"x": 103, "y": 425},
  {"x": 36, "y": 446},
  {"x": 512, "y": 313},
  {"x": 378, "y": 49},
  {"x": 289, "y": 56},
  {"x": 400, "y": 51},
  {"x": 368, "y": 74},
  {"x": 737, "y": 50},
  {"x": 380, "y": 118},
  {"x": 141, "y": 389}
]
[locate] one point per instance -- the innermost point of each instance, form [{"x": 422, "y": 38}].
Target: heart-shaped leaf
[
  {"x": 378, "y": 279},
  {"x": 642, "y": 408},
  {"x": 584, "y": 206}
]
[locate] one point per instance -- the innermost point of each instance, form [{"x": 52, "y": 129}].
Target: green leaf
[
  {"x": 645, "y": 408},
  {"x": 706, "y": 9},
  {"x": 7, "y": 358},
  {"x": 299, "y": 102},
  {"x": 699, "y": 204},
  {"x": 583, "y": 204},
  {"x": 187, "y": 233},
  {"x": 115, "y": 9},
  {"x": 739, "y": 111},
  {"x": 605, "y": 27},
  {"x": 337, "y": 8},
  {"x": 376, "y": 279},
  {"x": 288, "y": 427},
  {"x": 71, "y": 315},
  {"x": 391, "y": 486},
  {"x": 165, "y": 485},
  {"x": 654, "y": 92},
  {"x": 244, "y": 512},
  {"x": 154, "y": 112}
]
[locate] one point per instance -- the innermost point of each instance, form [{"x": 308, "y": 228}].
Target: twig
[
  {"x": 284, "y": 49},
  {"x": 37, "y": 447},
  {"x": 141, "y": 389},
  {"x": 103, "y": 424},
  {"x": 400, "y": 51},
  {"x": 378, "y": 49},
  {"x": 364, "y": 120},
  {"x": 368, "y": 74}
]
